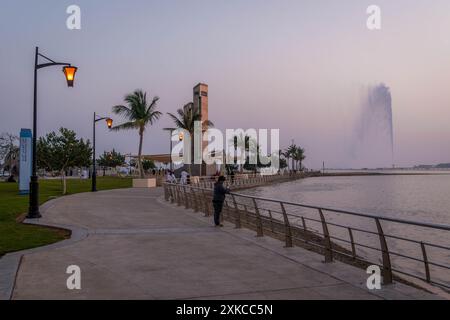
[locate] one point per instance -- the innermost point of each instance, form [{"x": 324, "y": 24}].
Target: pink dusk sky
[{"x": 299, "y": 66}]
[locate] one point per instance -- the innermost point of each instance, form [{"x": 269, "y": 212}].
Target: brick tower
[{"x": 200, "y": 101}]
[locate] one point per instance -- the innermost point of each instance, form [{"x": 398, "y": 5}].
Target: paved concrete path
[{"x": 130, "y": 244}]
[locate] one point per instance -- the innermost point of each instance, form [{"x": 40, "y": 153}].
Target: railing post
[
  {"x": 186, "y": 200},
  {"x": 206, "y": 203},
  {"x": 352, "y": 242},
  {"x": 201, "y": 201},
  {"x": 425, "y": 261},
  {"x": 304, "y": 224},
  {"x": 225, "y": 211},
  {"x": 387, "y": 270},
  {"x": 195, "y": 193},
  {"x": 166, "y": 192},
  {"x": 237, "y": 213},
  {"x": 172, "y": 194},
  {"x": 191, "y": 197},
  {"x": 287, "y": 227},
  {"x": 305, "y": 229},
  {"x": 327, "y": 240},
  {"x": 271, "y": 221},
  {"x": 259, "y": 226},
  {"x": 246, "y": 214},
  {"x": 178, "y": 196}
]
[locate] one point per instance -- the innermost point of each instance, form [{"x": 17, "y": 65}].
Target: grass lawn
[{"x": 15, "y": 236}]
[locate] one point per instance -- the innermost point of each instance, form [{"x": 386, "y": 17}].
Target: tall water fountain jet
[{"x": 375, "y": 134}]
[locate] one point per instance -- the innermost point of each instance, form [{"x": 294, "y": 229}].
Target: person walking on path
[{"x": 218, "y": 199}]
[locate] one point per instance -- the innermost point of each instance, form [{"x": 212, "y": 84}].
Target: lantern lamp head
[
  {"x": 109, "y": 122},
  {"x": 69, "y": 72}
]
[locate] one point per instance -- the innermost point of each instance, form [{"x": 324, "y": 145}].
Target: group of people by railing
[
  {"x": 185, "y": 177},
  {"x": 234, "y": 179}
]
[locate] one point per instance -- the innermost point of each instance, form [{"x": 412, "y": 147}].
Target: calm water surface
[
  {"x": 423, "y": 198},
  {"x": 417, "y": 197}
]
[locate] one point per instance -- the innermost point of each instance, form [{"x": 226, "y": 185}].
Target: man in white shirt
[
  {"x": 173, "y": 178},
  {"x": 184, "y": 176},
  {"x": 170, "y": 177}
]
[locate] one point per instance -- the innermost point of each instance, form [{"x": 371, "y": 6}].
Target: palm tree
[
  {"x": 139, "y": 114},
  {"x": 286, "y": 155},
  {"x": 291, "y": 150},
  {"x": 187, "y": 116},
  {"x": 299, "y": 156},
  {"x": 246, "y": 143},
  {"x": 282, "y": 161}
]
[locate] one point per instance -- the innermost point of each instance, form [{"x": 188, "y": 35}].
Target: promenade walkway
[{"x": 131, "y": 244}]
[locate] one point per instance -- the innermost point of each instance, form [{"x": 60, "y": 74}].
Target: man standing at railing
[{"x": 218, "y": 199}]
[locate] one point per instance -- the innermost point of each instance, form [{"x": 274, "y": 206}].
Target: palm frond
[
  {"x": 137, "y": 111},
  {"x": 153, "y": 103},
  {"x": 155, "y": 115},
  {"x": 122, "y": 110},
  {"x": 178, "y": 122},
  {"x": 126, "y": 126},
  {"x": 209, "y": 124},
  {"x": 181, "y": 113}
]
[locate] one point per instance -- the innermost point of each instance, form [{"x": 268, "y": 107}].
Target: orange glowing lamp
[
  {"x": 109, "y": 122},
  {"x": 69, "y": 72}
]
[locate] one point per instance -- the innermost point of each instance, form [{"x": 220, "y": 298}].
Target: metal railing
[
  {"x": 241, "y": 181},
  {"x": 351, "y": 237}
]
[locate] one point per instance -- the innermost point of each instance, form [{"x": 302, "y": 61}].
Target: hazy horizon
[{"x": 299, "y": 66}]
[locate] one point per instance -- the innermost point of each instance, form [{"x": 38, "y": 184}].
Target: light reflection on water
[{"x": 423, "y": 198}]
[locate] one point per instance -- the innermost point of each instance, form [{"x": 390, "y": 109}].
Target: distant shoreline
[{"x": 355, "y": 174}]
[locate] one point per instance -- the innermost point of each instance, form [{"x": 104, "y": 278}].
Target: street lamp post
[
  {"x": 109, "y": 122},
  {"x": 170, "y": 151},
  {"x": 69, "y": 72}
]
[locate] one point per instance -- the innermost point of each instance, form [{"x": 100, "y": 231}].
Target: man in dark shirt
[{"x": 219, "y": 197}]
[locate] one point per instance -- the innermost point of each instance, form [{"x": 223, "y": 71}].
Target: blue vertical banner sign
[{"x": 25, "y": 164}]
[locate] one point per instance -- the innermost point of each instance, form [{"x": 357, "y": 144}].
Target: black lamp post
[
  {"x": 69, "y": 72},
  {"x": 109, "y": 123}
]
